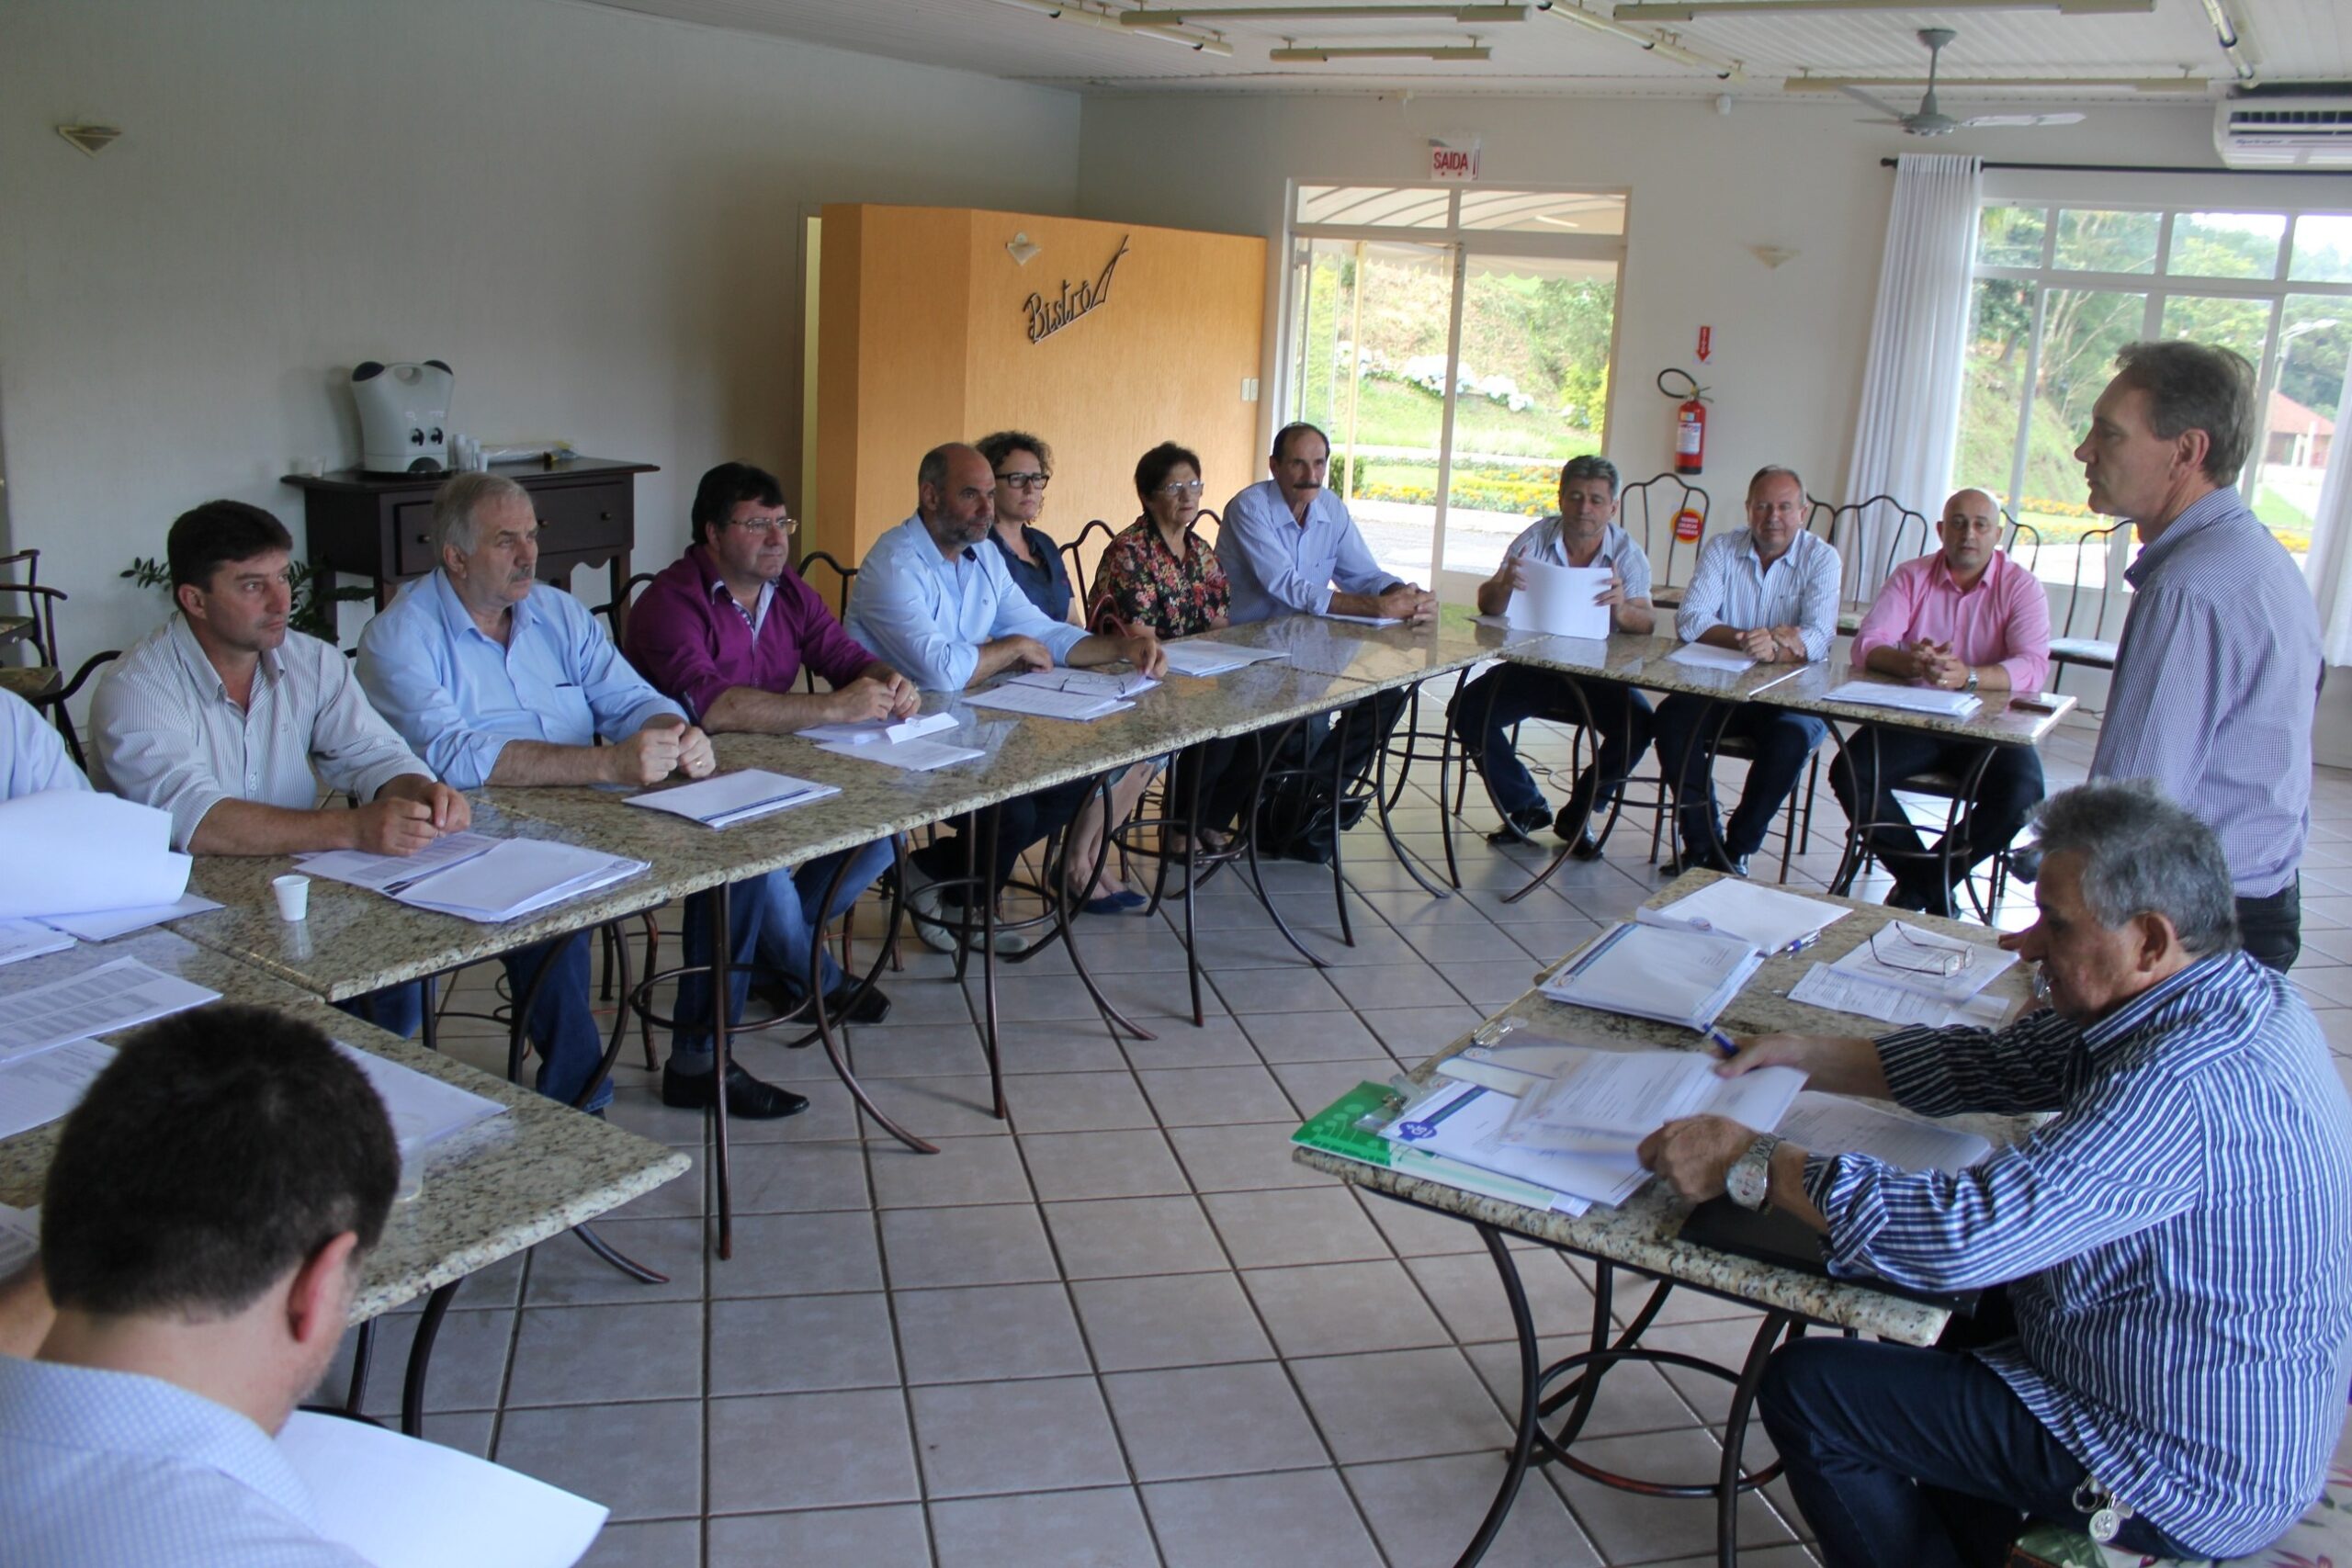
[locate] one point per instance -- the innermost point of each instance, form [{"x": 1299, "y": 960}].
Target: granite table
[
  {"x": 1641, "y": 1235},
  {"x": 497, "y": 1187}
]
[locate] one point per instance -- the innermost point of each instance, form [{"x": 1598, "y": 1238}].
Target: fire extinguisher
[{"x": 1690, "y": 421}]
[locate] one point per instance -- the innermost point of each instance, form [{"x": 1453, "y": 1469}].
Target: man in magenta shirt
[
  {"x": 726, "y": 630},
  {"x": 1967, "y": 619}
]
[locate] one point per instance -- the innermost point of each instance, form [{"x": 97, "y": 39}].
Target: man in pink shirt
[{"x": 1967, "y": 619}]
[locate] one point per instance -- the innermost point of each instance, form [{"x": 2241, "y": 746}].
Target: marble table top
[
  {"x": 1642, "y": 1232},
  {"x": 1380, "y": 656},
  {"x": 1997, "y": 723},
  {"x": 499, "y": 1187},
  {"x": 1647, "y": 662}
]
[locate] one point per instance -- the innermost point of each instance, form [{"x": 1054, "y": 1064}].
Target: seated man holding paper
[
  {"x": 498, "y": 679},
  {"x": 726, "y": 630},
  {"x": 2172, "y": 1240},
  {"x": 1582, "y": 536},
  {"x": 1289, "y": 546},
  {"x": 201, "y": 1234},
  {"x": 227, "y": 720},
  {"x": 1965, "y": 619},
  {"x": 1767, "y": 594},
  {"x": 936, "y": 605}
]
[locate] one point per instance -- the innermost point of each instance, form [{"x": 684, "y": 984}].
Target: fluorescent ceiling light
[
  {"x": 1075, "y": 11},
  {"x": 1678, "y": 11},
  {"x": 1664, "y": 47},
  {"x": 1165, "y": 17},
  {"x": 2131, "y": 84},
  {"x": 1309, "y": 54}
]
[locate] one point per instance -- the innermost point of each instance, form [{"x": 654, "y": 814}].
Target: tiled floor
[{"x": 1123, "y": 1327}]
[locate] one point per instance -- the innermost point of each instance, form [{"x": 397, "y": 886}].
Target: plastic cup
[{"x": 293, "y": 895}]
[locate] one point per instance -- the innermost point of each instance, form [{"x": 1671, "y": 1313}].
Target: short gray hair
[
  {"x": 2193, "y": 385},
  {"x": 459, "y": 504},
  {"x": 1777, "y": 471},
  {"x": 1589, "y": 466},
  {"x": 2144, "y": 855}
]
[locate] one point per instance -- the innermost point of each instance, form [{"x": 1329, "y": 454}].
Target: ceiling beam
[
  {"x": 1169, "y": 16},
  {"x": 1691, "y": 10},
  {"x": 1075, "y": 12},
  {"x": 1662, "y": 45},
  {"x": 2196, "y": 84},
  {"x": 1308, "y": 54}
]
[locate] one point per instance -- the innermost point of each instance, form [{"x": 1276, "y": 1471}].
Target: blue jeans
[
  {"x": 562, "y": 1023},
  {"x": 1782, "y": 741},
  {"x": 746, "y": 906},
  {"x": 788, "y": 936},
  {"x": 1620, "y": 717},
  {"x": 398, "y": 1009},
  {"x": 1895, "y": 1452}
]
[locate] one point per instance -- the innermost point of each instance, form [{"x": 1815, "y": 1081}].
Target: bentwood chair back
[
  {"x": 616, "y": 613},
  {"x": 2082, "y": 633},
  {"x": 1647, "y": 508},
  {"x": 1074, "y": 560}
]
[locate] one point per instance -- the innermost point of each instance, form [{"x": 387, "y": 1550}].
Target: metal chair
[
  {"x": 1072, "y": 559},
  {"x": 57, "y": 705},
  {"x": 2024, "y": 543},
  {"x": 2094, "y": 651},
  {"x": 33, "y": 623},
  {"x": 615, "y": 613},
  {"x": 1647, "y": 505},
  {"x": 846, "y": 576},
  {"x": 1850, "y": 524}
]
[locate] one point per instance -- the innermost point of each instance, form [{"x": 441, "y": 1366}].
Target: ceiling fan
[{"x": 1932, "y": 121}]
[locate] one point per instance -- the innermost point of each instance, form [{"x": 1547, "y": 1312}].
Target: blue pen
[
  {"x": 1720, "y": 1042},
  {"x": 1803, "y": 942}
]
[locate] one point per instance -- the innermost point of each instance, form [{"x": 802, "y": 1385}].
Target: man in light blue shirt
[
  {"x": 202, "y": 1229},
  {"x": 1769, "y": 592},
  {"x": 1289, "y": 546},
  {"x": 34, "y": 757},
  {"x": 945, "y": 613},
  {"x": 498, "y": 679}
]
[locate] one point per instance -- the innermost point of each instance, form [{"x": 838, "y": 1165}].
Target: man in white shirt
[
  {"x": 202, "y": 1229},
  {"x": 1769, "y": 592},
  {"x": 1584, "y": 534},
  {"x": 32, "y": 754}
]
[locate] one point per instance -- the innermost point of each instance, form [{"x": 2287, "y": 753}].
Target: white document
[
  {"x": 1832, "y": 1125},
  {"x": 1947, "y": 969},
  {"x": 724, "y": 799},
  {"x": 516, "y": 876},
  {"x": 1824, "y": 986},
  {"x": 97, "y": 1001},
  {"x": 1557, "y": 600},
  {"x": 1676, "y": 976},
  {"x": 20, "y": 1238},
  {"x": 1086, "y": 683},
  {"x": 38, "y": 1089},
  {"x": 30, "y": 939},
  {"x": 1912, "y": 699},
  {"x": 1769, "y": 920},
  {"x": 390, "y": 874},
  {"x": 1706, "y": 656},
  {"x": 920, "y": 755},
  {"x": 1074, "y": 706},
  {"x": 122, "y": 922},
  {"x": 72, "y": 852},
  {"x": 402, "y": 1503},
  {"x": 1368, "y": 620},
  {"x": 866, "y": 732},
  {"x": 423, "y": 1108},
  {"x": 1603, "y": 1098},
  {"x": 1463, "y": 1122},
  {"x": 1204, "y": 657}
]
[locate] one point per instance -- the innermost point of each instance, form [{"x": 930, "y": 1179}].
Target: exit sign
[{"x": 1454, "y": 162}]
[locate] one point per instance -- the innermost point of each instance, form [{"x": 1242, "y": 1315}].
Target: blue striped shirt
[
  {"x": 111, "y": 1470},
  {"x": 2216, "y": 684},
  {"x": 2177, "y": 1240}
]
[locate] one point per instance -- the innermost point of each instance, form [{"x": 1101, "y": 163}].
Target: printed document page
[
  {"x": 725, "y": 798},
  {"x": 1557, "y": 601},
  {"x": 30, "y": 939},
  {"x": 1912, "y": 699},
  {"x": 1771, "y": 919},
  {"x": 517, "y": 876},
  {"x": 1950, "y": 969},
  {"x": 122, "y": 922},
  {"x": 1676, "y": 976},
  {"x": 1076, "y": 706},
  {"x": 72, "y": 852},
  {"x": 111, "y": 996},
  {"x": 1832, "y": 1125},
  {"x": 1611, "y": 1099},
  {"x": 1086, "y": 683},
  {"x": 36, "y": 1090},
  {"x": 390, "y": 873},
  {"x": 1201, "y": 656},
  {"x": 424, "y": 1109}
]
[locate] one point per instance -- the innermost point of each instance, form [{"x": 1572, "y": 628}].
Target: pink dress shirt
[{"x": 2004, "y": 620}]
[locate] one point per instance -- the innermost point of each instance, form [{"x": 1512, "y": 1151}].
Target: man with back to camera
[
  {"x": 726, "y": 630},
  {"x": 2217, "y": 669},
  {"x": 1966, "y": 619},
  {"x": 932, "y": 603},
  {"x": 1289, "y": 545},
  {"x": 2171, "y": 1243},
  {"x": 1769, "y": 590},
  {"x": 228, "y": 719},
  {"x": 1584, "y": 532},
  {"x": 205, "y": 1217},
  {"x": 499, "y": 679}
]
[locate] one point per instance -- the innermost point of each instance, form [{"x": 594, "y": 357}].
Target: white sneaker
[{"x": 940, "y": 930}]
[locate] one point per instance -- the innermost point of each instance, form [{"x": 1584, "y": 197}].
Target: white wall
[{"x": 593, "y": 216}]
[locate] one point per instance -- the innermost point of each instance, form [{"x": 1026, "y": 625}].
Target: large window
[
  {"x": 2060, "y": 288},
  {"x": 1456, "y": 343}
]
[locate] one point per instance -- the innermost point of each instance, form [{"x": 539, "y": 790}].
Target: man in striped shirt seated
[{"x": 2175, "y": 1241}]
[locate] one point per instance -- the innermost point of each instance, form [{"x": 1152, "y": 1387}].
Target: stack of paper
[
  {"x": 724, "y": 799},
  {"x": 1606, "y": 1102},
  {"x": 1086, "y": 683},
  {"x": 1912, "y": 699},
  {"x": 1833, "y": 1124},
  {"x": 390, "y": 874},
  {"x": 1706, "y": 656},
  {"x": 112, "y": 923},
  {"x": 1823, "y": 987},
  {"x": 423, "y": 1108},
  {"x": 1943, "y": 968},
  {"x": 1338, "y": 1129},
  {"x": 97, "y": 1001},
  {"x": 1463, "y": 1122},
  {"x": 1557, "y": 601},
  {"x": 72, "y": 852},
  {"x": 1204, "y": 657},
  {"x": 30, "y": 939},
  {"x": 1676, "y": 976},
  {"x": 36, "y": 1090},
  {"x": 1367, "y": 620},
  {"x": 917, "y": 753},
  {"x": 1765, "y": 918},
  {"x": 866, "y": 732},
  {"x": 516, "y": 876},
  {"x": 1045, "y": 702}
]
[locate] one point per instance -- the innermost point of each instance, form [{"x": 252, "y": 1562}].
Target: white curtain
[
  {"x": 1910, "y": 412},
  {"x": 2329, "y": 564}
]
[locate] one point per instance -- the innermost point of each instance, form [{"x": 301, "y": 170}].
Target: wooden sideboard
[{"x": 379, "y": 527}]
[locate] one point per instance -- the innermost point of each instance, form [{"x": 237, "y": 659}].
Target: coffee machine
[{"x": 403, "y": 416}]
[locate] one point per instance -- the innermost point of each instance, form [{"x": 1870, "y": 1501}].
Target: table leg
[
  {"x": 834, "y": 1052},
  {"x": 1530, "y": 1372},
  {"x": 420, "y": 1358},
  {"x": 1379, "y": 796},
  {"x": 1267, "y": 756},
  {"x": 1066, "y": 926},
  {"x": 363, "y": 1355},
  {"x": 1743, "y": 1401},
  {"x": 721, "y": 962},
  {"x": 1584, "y": 727},
  {"x": 986, "y": 825}
]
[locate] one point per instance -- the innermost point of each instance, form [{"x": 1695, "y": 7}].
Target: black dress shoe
[
  {"x": 1584, "y": 846},
  {"x": 871, "y": 1008},
  {"x": 1691, "y": 860},
  {"x": 1520, "y": 826},
  {"x": 748, "y": 1099}
]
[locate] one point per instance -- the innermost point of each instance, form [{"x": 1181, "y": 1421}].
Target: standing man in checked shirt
[
  {"x": 2173, "y": 1240},
  {"x": 1769, "y": 592},
  {"x": 2221, "y": 625}
]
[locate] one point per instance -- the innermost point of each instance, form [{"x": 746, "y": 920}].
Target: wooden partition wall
[{"x": 1111, "y": 338}]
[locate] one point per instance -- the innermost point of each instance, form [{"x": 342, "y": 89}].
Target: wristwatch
[
  {"x": 1971, "y": 682},
  {"x": 1748, "y": 1182}
]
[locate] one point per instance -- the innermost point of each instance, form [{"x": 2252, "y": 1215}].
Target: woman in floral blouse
[{"x": 1156, "y": 572}]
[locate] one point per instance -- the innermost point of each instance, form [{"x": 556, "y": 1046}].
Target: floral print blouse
[{"x": 1138, "y": 581}]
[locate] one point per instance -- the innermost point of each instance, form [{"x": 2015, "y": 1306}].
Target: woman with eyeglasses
[
  {"x": 1023, "y": 465},
  {"x": 1158, "y": 572}
]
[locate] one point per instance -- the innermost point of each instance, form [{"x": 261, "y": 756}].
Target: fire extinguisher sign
[{"x": 1706, "y": 343}]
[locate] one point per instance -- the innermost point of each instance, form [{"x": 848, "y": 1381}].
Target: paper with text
[
  {"x": 30, "y": 939},
  {"x": 1078, "y": 707},
  {"x": 122, "y": 922},
  {"x": 1769, "y": 919},
  {"x": 1911, "y": 699},
  {"x": 1676, "y": 976},
  {"x": 866, "y": 732},
  {"x": 1204, "y": 657},
  {"x": 1557, "y": 600},
  {"x": 516, "y": 876},
  {"x": 1832, "y": 1125},
  {"x": 725, "y": 798},
  {"x": 97, "y": 1001},
  {"x": 918, "y": 756},
  {"x": 1605, "y": 1098},
  {"x": 1823, "y": 987},
  {"x": 36, "y": 1090},
  {"x": 390, "y": 873},
  {"x": 1086, "y": 683},
  {"x": 424, "y": 1109},
  {"x": 1911, "y": 958},
  {"x": 1463, "y": 1122}
]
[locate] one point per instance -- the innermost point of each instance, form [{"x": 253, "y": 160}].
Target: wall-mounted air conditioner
[{"x": 2285, "y": 129}]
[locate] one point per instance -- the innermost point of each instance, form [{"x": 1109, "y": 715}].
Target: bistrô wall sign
[{"x": 1047, "y": 317}]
